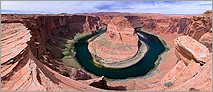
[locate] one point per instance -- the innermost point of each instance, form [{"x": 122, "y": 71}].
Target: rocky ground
[{"x": 27, "y": 64}]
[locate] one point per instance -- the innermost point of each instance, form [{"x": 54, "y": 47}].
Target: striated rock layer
[
  {"x": 192, "y": 25},
  {"x": 119, "y": 42},
  {"x": 193, "y": 75},
  {"x": 26, "y": 64},
  {"x": 190, "y": 49}
]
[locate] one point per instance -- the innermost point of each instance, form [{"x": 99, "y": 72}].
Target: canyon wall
[
  {"x": 26, "y": 62},
  {"x": 192, "y": 25}
]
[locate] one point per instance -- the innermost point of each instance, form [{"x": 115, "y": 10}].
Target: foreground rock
[
  {"x": 97, "y": 82},
  {"x": 187, "y": 74},
  {"x": 27, "y": 66},
  {"x": 190, "y": 49},
  {"x": 190, "y": 76}
]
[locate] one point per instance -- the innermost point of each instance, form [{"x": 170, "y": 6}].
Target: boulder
[
  {"x": 78, "y": 74},
  {"x": 193, "y": 69},
  {"x": 96, "y": 82},
  {"x": 189, "y": 48}
]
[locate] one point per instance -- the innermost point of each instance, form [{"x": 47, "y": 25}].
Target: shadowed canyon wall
[{"x": 26, "y": 62}]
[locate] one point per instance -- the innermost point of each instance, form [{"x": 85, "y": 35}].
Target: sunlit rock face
[
  {"x": 26, "y": 64},
  {"x": 190, "y": 49},
  {"x": 188, "y": 73},
  {"x": 119, "y": 42}
]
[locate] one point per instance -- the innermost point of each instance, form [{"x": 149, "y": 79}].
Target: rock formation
[
  {"x": 187, "y": 74},
  {"x": 190, "y": 49},
  {"x": 26, "y": 63},
  {"x": 119, "y": 42},
  {"x": 78, "y": 74},
  {"x": 97, "y": 82},
  {"x": 190, "y": 75},
  {"x": 168, "y": 28},
  {"x": 206, "y": 40}
]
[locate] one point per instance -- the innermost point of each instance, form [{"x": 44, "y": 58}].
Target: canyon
[
  {"x": 30, "y": 46},
  {"x": 118, "y": 46}
]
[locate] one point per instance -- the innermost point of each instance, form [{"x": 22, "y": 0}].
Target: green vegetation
[
  {"x": 69, "y": 46},
  {"x": 64, "y": 48},
  {"x": 69, "y": 52},
  {"x": 79, "y": 36},
  {"x": 168, "y": 84}
]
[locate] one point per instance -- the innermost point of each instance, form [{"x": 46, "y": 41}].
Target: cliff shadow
[{"x": 117, "y": 88}]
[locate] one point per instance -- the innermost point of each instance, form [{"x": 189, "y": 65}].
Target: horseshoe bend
[
  {"x": 106, "y": 51},
  {"x": 117, "y": 45}
]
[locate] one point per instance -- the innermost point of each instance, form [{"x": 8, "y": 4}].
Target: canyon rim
[{"x": 99, "y": 51}]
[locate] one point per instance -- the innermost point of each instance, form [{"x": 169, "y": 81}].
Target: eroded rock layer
[
  {"x": 192, "y": 25},
  {"x": 193, "y": 74},
  {"x": 26, "y": 64},
  {"x": 191, "y": 49},
  {"x": 120, "y": 42}
]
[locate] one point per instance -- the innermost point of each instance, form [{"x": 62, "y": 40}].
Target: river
[{"x": 147, "y": 63}]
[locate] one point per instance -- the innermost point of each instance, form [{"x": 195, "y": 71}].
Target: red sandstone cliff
[
  {"x": 182, "y": 24},
  {"x": 26, "y": 63}
]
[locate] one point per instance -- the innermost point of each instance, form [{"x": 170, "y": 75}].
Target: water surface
[{"x": 147, "y": 63}]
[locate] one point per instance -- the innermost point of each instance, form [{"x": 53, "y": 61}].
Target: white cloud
[{"x": 178, "y": 7}]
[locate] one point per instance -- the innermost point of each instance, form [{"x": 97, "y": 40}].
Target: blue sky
[{"x": 166, "y": 7}]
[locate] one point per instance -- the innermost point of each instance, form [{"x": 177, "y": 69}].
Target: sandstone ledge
[{"x": 143, "y": 49}]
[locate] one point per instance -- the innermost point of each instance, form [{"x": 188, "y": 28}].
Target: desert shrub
[
  {"x": 69, "y": 50},
  {"x": 70, "y": 44},
  {"x": 66, "y": 53},
  {"x": 168, "y": 84},
  {"x": 79, "y": 36}
]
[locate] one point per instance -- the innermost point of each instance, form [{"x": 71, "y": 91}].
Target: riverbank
[
  {"x": 141, "y": 68},
  {"x": 143, "y": 49},
  {"x": 156, "y": 74}
]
